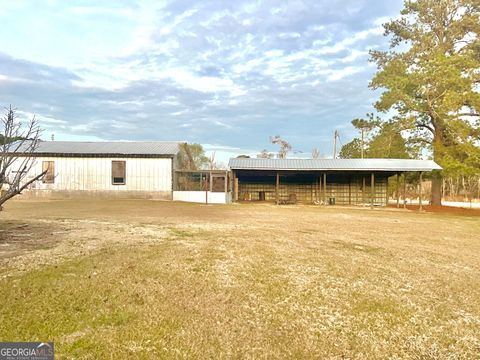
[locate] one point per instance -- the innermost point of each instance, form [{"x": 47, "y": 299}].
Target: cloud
[{"x": 224, "y": 73}]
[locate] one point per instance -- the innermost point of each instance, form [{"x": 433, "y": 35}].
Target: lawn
[{"x": 149, "y": 279}]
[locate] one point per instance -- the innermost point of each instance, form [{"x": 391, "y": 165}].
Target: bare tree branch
[
  {"x": 10, "y": 194},
  {"x": 285, "y": 147},
  {"x": 425, "y": 126},
  {"x": 17, "y": 148}
]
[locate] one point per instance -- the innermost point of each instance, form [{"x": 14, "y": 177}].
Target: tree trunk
[
  {"x": 437, "y": 177},
  {"x": 436, "y": 187}
]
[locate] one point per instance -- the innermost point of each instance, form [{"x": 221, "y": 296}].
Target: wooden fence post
[
  {"x": 363, "y": 189},
  {"x": 420, "y": 192},
  {"x": 277, "y": 185},
  {"x": 349, "y": 190},
  {"x": 324, "y": 188},
  {"x": 235, "y": 186},
  {"x": 397, "y": 191},
  {"x": 372, "y": 185}
]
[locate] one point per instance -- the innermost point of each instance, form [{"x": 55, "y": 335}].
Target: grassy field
[{"x": 146, "y": 279}]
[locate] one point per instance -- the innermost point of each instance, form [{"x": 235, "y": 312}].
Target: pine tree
[{"x": 430, "y": 77}]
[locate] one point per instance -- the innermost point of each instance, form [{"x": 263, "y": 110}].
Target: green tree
[
  {"x": 192, "y": 157},
  {"x": 365, "y": 126},
  {"x": 430, "y": 77},
  {"x": 386, "y": 142},
  {"x": 351, "y": 150},
  {"x": 356, "y": 149},
  {"x": 389, "y": 143}
]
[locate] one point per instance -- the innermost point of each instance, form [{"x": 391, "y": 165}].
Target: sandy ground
[
  {"x": 64, "y": 227},
  {"x": 275, "y": 282}
]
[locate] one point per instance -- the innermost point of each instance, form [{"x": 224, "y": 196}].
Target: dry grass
[{"x": 145, "y": 279}]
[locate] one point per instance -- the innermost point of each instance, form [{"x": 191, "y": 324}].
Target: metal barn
[
  {"x": 320, "y": 181},
  {"x": 112, "y": 169}
]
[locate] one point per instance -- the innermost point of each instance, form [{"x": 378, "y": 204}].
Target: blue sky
[{"x": 227, "y": 74}]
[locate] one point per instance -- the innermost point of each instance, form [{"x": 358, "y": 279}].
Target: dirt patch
[
  {"x": 18, "y": 237},
  {"x": 54, "y": 241}
]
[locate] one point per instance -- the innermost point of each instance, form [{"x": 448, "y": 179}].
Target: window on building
[
  {"x": 49, "y": 167},
  {"x": 118, "y": 172}
]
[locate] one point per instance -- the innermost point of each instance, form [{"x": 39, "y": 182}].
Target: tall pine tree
[{"x": 431, "y": 77}]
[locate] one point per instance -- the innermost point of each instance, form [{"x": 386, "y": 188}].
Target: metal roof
[
  {"x": 333, "y": 164},
  {"x": 138, "y": 148}
]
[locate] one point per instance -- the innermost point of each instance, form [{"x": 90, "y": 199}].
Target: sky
[{"x": 226, "y": 74}]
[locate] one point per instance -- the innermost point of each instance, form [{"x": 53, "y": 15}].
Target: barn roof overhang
[{"x": 334, "y": 165}]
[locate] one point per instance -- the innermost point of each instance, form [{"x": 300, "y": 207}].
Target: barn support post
[
  {"x": 387, "y": 199},
  {"x": 206, "y": 187},
  {"x": 404, "y": 190},
  {"x": 397, "y": 193},
  {"x": 312, "y": 186},
  {"x": 226, "y": 187},
  {"x": 349, "y": 190},
  {"x": 363, "y": 189},
  {"x": 277, "y": 185},
  {"x": 317, "y": 189},
  {"x": 420, "y": 207},
  {"x": 320, "y": 187},
  {"x": 324, "y": 188},
  {"x": 235, "y": 186},
  {"x": 372, "y": 185}
]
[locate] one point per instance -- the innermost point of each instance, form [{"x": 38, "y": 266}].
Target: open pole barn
[{"x": 321, "y": 181}]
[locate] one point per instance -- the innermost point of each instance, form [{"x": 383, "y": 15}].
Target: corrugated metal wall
[{"x": 95, "y": 174}]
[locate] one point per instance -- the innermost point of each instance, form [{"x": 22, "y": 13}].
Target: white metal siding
[
  {"x": 201, "y": 197},
  {"x": 95, "y": 174}
]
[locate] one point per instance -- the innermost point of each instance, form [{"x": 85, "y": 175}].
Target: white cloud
[
  {"x": 349, "y": 41},
  {"x": 353, "y": 56},
  {"x": 336, "y": 75},
  {"x": 290, "y": 35},
  {"x": 195, "y": 70},
  {"x": 198, "y": 83}
]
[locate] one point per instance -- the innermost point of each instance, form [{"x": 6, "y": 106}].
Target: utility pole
[{"x": 335, "y": 136}]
